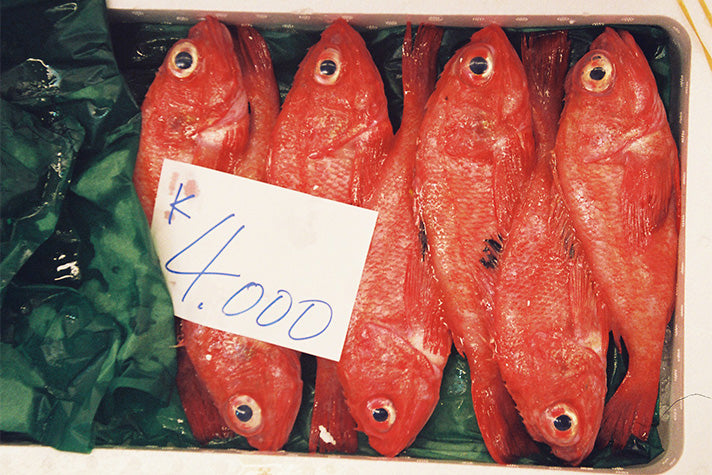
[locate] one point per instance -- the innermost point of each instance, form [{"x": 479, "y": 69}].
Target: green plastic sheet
[
  {"x": 86, "y": 318},
  {"x": 87, "y": 329}
]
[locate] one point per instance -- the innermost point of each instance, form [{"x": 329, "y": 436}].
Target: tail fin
[
  {"x": 419, "y": 67},
  {"x": 332, "y": 427},
  {"x": 545, "y": 56},
  {"x": 263, "y": 96}
]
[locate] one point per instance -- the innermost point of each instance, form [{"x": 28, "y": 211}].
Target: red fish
[
  {"x": 550, "y": 339},
  {"x": 224, "y": 379},
  {"x": 397, "y": 345},
  {"x": 619, "y": 172},
  {"x": 195, "y": 110},
  {"x": 476, "y": 152},
  {"x": 332, "y": 128}
]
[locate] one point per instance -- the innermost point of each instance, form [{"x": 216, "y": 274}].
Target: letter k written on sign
[{"x": 178, "y": 200}]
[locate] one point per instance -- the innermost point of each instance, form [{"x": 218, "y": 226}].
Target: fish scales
[
  {"x": 397, "y": 344},
  {"x": 196, "y": 111},
  {"x": 329, "y": 139},
  {"x": 619, "y": 171},
  {"x": 476, "y": 152}
]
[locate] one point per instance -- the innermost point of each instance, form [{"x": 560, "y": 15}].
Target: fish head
[
  {"x": 612, "y": 95},
  {"x": 337, "y": 94},
  {"x": 255, "y": 386},
  {"x": 198, "y": 92},
  {"x": 390, "y": 387},
  {"x": 261, "y": 399},
  {"x": 561, "y": 396},
  {"x": 483, "y": 86}
]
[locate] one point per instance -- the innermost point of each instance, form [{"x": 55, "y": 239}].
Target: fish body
[
  {"x": 228, "y": 383},
  {"x": 195, "y": 110},
  {"x": 397, "y": 344},
  {"x": 551, "y": 341},
  {"x": 550, "y": 338},
  {"x": 475, "y": 154},
  {"x": 204, "y": 420},
  {"x": 332, "y": 130},
  {"x": 619, "y": 172}
]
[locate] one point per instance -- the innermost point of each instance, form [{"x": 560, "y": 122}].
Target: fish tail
[
  {"x": 419, "y": 67},
  {"x": 263, "y": 97},
  {"x": 545, "y": 56},
  {"x": 254, "y": 56},
  {"x": 499, "y": 422},
  {"x": 332, "y": 427},
  {"x": 630, "y": 410}
]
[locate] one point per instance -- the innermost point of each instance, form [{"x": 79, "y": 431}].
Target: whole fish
[
  {"x": 224, "y": 379},
  {"x": 397, "y": 344},
  {"x": 195, "y": 110},
  {"x": 332, "y": 129},
  {"x": 619, "y": 172},
  {"x": 550, "y": 339},
  {"x": 475, "y": 154}
]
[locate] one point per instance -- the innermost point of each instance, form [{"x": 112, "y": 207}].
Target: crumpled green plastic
[
  {"x": 134, "y": 414},
  {"x": 86, "y": 317}
]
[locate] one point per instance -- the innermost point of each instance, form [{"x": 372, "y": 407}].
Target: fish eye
[
  {"x": 478, "y": 64},
  {"x": 562, "y": 423},
  {"x": 328, "y": 67},
  {"x": 383, "y": 413},
  {"x": 598, "y": 73},
  {"x": 183, "y": 59},
  {"x": 380, "y": 414},
  {"x": 243, "y": 413},
  {"x": 247, "y": 414}
]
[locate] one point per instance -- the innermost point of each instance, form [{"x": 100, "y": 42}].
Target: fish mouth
[{"x": 574, "y": 455}]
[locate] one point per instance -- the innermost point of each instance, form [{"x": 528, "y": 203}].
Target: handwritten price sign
[{"x": 258, "y": 260}]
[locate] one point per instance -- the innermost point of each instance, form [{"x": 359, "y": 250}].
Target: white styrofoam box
[{"x": 685, "y": 428}]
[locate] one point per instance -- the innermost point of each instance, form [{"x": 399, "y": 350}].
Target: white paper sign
[{"x": 259, "y": 260}]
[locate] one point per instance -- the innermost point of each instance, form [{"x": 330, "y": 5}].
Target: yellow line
[
  {"x": 706, "y": 10},
  {"x": 689, "y": 18}
]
